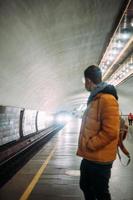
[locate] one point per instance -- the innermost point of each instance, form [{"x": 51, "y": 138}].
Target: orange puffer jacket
[{"x": 99, "y": 132}]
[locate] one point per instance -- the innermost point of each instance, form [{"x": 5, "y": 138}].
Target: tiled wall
[
  {"x": 9, "y": 124},
  {"x": 29, "y": 122},
  {"x": 14, "y": 126}
]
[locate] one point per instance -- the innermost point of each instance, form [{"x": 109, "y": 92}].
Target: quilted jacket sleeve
[{"x": 110, "y": 123}]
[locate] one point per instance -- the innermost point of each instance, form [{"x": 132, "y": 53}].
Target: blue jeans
[{"x": 94, "y": 180}]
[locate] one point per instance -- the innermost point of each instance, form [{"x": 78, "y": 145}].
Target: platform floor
[{"x": 53, "y": 173}]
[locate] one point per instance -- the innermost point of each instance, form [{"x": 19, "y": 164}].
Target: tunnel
[{"x": 45, "y": 47}]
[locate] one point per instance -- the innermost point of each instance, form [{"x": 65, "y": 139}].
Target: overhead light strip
[
  {"x": 119, "y": 56},
  {"x": 124, "y": 70},
  {"x": 120, "y": 42}
]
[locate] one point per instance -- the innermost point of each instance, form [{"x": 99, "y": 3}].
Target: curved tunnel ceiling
[{"x": 45, "y": 45}]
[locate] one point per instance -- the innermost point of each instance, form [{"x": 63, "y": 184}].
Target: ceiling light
[
  {"x": 123, "y": 71},
  {"x": 119, "y": 45},
  {"x": 131, "y": 65},
  {"x": 125, "y": 34},
  {"x": 115, "y": 50}
]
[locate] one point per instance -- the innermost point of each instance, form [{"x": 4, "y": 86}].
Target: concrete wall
[{"x": 125, "y": 93}]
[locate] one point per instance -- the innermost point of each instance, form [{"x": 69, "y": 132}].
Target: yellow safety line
[{"x": 35, "y": 179}]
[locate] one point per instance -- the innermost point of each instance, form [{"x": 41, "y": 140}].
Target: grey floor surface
[{"x": 60, "y": 178}]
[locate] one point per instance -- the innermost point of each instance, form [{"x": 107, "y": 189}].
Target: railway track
[{"x": 10, "y": 165}]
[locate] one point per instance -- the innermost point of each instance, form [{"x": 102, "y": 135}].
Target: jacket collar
[{"x": 97, "y": 90}]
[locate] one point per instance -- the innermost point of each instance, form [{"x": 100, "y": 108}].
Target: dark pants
[
  {"x": 94, "y": 180},
  {"x": 130, "y": 122}
]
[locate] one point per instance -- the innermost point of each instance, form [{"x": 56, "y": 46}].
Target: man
[
  {"x": 130, "y": 119},
  {"x": 98, "y": 136}
]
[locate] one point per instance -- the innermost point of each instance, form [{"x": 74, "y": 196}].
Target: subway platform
[{"x": 53, "y": 173}]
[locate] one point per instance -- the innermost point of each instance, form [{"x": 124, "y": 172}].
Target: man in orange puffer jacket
[{"x": 99, "y": 136}]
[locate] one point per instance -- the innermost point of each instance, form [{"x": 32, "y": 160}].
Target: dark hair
[{"x": 93, "y": 73}]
